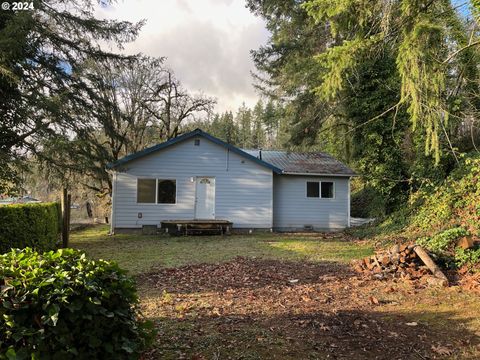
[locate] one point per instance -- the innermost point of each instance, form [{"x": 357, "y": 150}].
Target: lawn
[
  {"x": 139, "y": 254},
  {"x": 284, "y": 296}
]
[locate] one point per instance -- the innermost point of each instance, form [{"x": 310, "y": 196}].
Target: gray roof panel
[{"x": 314, "y": 163}]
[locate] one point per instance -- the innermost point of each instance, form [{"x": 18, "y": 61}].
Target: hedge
[
  {"x": 29, "y": 225},
  {"x": 62, "y": 305}
]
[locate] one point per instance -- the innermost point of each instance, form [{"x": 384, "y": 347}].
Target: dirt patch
[
  {"x": 466, "y": 277},
  {"x": 243, "y": 273},
  {"x": 255, "y": 309}
]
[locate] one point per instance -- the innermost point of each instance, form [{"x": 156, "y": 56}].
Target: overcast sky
[{"x": 207, "y": 43}]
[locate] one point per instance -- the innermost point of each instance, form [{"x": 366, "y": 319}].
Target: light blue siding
[
  {"x": 243, "y": 191},
  {"x": 293, "y": 210}
]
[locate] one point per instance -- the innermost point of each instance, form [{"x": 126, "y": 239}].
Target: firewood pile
[{"x": 406, "y": 261}]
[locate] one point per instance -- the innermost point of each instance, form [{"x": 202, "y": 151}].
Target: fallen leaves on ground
[
  {"x": 442, "y": 350},
  {"x": 251, "y": 308}
]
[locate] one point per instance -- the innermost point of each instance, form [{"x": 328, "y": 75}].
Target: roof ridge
[{"x": 185, "y": 136}]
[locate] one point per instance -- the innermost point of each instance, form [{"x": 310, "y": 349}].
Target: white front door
[{"x": 205, "y": 198}]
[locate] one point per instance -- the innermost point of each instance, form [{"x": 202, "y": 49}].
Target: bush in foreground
[
  {"x": 29, "y": 225},
  {"x": 61, "y": 305}
]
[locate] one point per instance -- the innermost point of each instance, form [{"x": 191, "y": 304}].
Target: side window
[
  {"x": 167, "y": 192},
  {"x": 313, "y": 189},
  {"x": 327, "y": 189},
  {"x": 146, "y": 191}
]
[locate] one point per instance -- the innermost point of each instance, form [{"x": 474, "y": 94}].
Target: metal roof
[{"x": 296, "y": 163}]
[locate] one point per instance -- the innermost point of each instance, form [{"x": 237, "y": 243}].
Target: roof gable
[{"x": 186, "y": 136}]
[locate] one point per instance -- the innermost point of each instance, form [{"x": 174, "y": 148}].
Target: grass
[
  {"x": 139, "y": 253},
  {"x": 252, "y": 319}
]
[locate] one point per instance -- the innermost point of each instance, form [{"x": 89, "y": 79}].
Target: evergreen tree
[
  {"x": 271, "y": 123},
  {"x": 350, "y": 75},
  {"x": 377, "y": 146},
  {"x": 243, "y": 120},
  {"x": 258, "y": 132},
  {"x": 230, "y": 131},
  {"x": 224, "y": 127},
  {"x": 41, "y": 51},
  {"x": 423, "y": 36}
]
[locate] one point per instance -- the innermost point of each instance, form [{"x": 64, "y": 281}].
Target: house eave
[
  {"x": 196, "y": 132},
  {"x": 319, "y": 174}
]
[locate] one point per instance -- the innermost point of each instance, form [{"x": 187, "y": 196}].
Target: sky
[{"x": 207, "y": 43}]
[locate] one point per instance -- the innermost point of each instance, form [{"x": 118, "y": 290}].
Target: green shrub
[
  {"x": 455, "y": 202},
  {"x": 436, "y": 215},
  {"x": 29, "y": 225},
  {"x": 467, "y": 257},
  {"x": 443, "y": 241},
  {"x": 61, "y": 305}
]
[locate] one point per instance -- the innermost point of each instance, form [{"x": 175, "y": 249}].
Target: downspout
[
  {"x": 227, "y": 159},
  {"x": 348, "y": 209},
  {"x": 271, "y": 202}
]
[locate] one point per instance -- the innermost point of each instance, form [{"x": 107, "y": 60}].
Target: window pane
[
  {"x": 167, "y": 191},
  {"x": 313, "y": 189},
  {"x": 146, "y": 191},
  {"x": 327, "y": 189}
]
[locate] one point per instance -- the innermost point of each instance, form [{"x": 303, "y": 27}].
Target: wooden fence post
[{"x": 66, "y": 201}]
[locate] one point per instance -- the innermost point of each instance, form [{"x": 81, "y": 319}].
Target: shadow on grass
[{"x": 343, "y": 334}]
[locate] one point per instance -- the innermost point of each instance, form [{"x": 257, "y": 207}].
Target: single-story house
[{"x": 198, "y": 176}]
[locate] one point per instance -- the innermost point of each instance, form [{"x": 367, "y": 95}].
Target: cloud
[{"x": 207, "y": 43}]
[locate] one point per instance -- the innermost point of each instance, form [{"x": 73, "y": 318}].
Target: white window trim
[
  {"x": 320, "y": 190},
  {"x": 156, "y": 191}
]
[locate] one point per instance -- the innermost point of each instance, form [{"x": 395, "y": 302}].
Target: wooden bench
[{"x": 197, "y": 227}]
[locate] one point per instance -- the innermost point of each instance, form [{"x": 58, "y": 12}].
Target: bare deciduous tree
[{"x": 171, "y": 105}]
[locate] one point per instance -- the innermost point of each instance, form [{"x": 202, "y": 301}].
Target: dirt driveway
[{"x": 272, "y": 309}]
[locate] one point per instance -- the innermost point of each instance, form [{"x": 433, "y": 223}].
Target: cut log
[
  {"x": 395, "y": 249},
  {"x": 395, "y": 259},
  {"x": 427, "y": 260},
  {"x": 369, "y": 264},
  {"x": 375, "y": 260}
]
